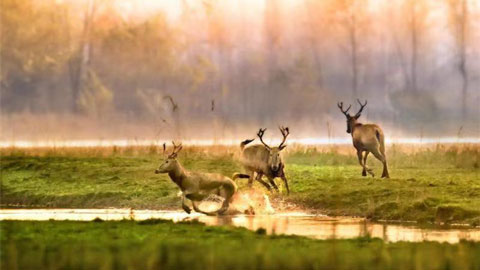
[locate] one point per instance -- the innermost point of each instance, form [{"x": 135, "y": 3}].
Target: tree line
[{"x": 416, "y": 61}]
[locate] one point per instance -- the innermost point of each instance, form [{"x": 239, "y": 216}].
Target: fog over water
[{"x": 216, "y": 71}]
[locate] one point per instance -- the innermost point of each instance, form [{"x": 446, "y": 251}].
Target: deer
[
  {"x": 264, "y": 160},
  {"x": 196, "y": 186},
  {"x": 368, "y": 138}
]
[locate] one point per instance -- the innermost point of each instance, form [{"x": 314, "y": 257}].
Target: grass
[
  {"x": 438, "y": 183},
  {"x": 157, "y": 244}
]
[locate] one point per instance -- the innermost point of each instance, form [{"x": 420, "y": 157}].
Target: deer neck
[
  {"x": 354, "y": 126},
  {"x": 178, "y": 175}
]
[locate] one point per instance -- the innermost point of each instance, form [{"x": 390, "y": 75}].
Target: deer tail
[
  {"x": 231, "y": 187},
  {"x": 242, "y": 144}
]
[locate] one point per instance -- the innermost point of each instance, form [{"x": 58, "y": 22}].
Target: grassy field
[
  {"x": 435, "y": 183},
  {"x": 157, "y": 244}
]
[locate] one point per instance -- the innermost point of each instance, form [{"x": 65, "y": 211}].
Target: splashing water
[
  {"x": 252, "y": 202},
  {"x": 212, "y": 203}
]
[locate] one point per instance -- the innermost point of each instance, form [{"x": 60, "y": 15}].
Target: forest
[{"x": 179, "y": 68}]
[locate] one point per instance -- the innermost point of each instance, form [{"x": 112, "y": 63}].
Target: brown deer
[
  {"x": 366, "y": 138},
  {"x": 264, "y": 160},
  {"x": 197, "y": 186}
]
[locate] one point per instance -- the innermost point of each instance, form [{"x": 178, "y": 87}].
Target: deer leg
[
  {"x": 285, "y": 181},
  {"x": 195, "y": 207},
  {"x": 381, "y": 157},
  {"x": 366, "y": 169},
  {"x": 250, "y": 178},
  {"x": 359, "y": 155},
  {"x": 385, "y": 166},
  {"x": 272, "y": 182},
  {"x": 184, "y": 205},
  {"x": 227, "y": 195},
  {"x": 259, "y": 179}
]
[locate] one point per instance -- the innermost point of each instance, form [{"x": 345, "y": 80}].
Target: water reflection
[{"x": 315, "y": 226}]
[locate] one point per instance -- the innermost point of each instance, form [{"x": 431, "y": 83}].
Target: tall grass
[{"x": 157, "y": 244}]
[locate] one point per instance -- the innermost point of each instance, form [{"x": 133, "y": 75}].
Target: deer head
[
  {"x": 274, "y": 158},
  {"x": 171, "y": 162},
  {"x": 351, "y": 120}
]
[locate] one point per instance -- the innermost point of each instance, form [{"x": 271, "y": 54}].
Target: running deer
[
  {"x": 264, "y": 160},
  {"x": 366, "y": 138},
  {"x": 197, "y": 186}
]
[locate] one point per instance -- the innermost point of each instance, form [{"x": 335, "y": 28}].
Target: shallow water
[{"x": 291, "y": 223}]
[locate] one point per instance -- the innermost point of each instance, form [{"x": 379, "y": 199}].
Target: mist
[{"x": 186, "y": 70}]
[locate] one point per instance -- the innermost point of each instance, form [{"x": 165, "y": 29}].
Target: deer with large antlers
[
  {"x": 264, "y": 160},
  {"x": 366, "y": 138},
  {"x": 197, "y": 186}
]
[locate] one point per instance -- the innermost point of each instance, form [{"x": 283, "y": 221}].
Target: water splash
[
  {"x": 212, "y": 203},
  {"x": 249, "y": 202},
  {"x": 252, "y": 202}
]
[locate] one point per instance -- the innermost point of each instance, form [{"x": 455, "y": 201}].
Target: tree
[
  {"x": 351, "y": 16},
  {"x": 314, "y": 24},
  {"x": 458, "y": 21},
  {"x": 80, "y": 60},
  {"x": 32, "y": 52},
  {"x": 418, "y": 13}
]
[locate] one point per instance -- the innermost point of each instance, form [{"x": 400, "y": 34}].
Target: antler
[
  {"x": 361, "y": 107},
  {"x": 260, "y": 135},
  {"x": 176, "y": 149},
  {"x": 285, "y": 132},
  {"x": 340, "y": 106}
]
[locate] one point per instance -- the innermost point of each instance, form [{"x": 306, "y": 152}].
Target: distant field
[
  {"x": 434, "y": 183},
  {"x": 157, "y": 244}
]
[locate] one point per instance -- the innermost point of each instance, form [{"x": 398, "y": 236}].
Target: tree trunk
[
  {"x": 463, "y": 58},
  {"x": 78, "y": 65},
  {"x": 353, "y": 47},
  {"x": 414, "y": 45}
]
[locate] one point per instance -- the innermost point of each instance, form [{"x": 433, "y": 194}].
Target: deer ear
[
  {"x": 357, "y": 116},
  {"x": 282, "y": 147}
]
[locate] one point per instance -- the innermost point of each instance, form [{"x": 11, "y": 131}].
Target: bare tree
[
  {"x": 311, "y": 9},
  {"x": 458, "y": 15},
  {"x": 414, "y": 44},
  {"x": 417, "y": 12},
  {"x": 350, "y": 16},
  {"x": 79, "y": 62},
  {"x": 352, "y": 33}
]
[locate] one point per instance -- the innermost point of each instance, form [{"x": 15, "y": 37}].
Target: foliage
[
  {"x": 95, "y": 99},
  {"x": 34, "y": 49},
  {"x": 263, "y": 65}
]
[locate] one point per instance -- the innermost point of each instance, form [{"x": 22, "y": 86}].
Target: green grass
[
  {"x": 92, "y": 181},
  {"x": 437, "y": 184},
  {"x": 157, "y": 244}
]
